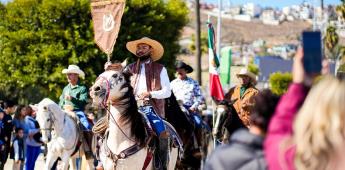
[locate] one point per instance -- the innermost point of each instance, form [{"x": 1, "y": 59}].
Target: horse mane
[
  {"x": 176, "y": 116},
  {"x": 131, "y": 113}
]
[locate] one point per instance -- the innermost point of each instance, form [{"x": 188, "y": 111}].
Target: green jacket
[{"x": 79, "y": 95}]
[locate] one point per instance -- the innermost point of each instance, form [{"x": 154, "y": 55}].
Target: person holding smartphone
[{"x": 306, "y": 131}]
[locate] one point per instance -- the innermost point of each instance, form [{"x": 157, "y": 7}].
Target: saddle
[{"x": 86, "y": 138}]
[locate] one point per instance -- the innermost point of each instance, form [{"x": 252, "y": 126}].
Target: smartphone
[{"x": 312, "y": 47}]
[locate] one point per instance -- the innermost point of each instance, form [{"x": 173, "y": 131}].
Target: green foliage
[
  {"x": 204, "y": 45},
  {"x": 38, "y": 38},
  {"x": 331, "y": 39},
  {"x": 341, "y": 68},
  {"x": 253, "y": 68},
  {"x": 279, "y": 82}
]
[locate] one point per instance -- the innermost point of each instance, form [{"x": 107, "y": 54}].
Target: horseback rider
[
  {"x": 243, "y": 95},
  {"x": 74, "y": 98},
  {"x": 151, "y": 86},
  {"x": 188, "y": 91}
]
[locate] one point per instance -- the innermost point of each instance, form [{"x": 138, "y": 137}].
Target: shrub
[{"x": 279, "y": 82}]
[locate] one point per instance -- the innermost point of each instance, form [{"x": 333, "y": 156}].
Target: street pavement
[{"x": 39, "y": 163}]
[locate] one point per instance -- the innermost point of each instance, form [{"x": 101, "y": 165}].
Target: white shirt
[{"x": 165, "y": 92}]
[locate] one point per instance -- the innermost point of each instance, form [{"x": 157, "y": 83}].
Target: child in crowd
[{"x": 17, "y": 150}]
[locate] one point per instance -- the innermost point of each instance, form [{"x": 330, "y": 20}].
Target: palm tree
[{"x": 331, "y": 40}]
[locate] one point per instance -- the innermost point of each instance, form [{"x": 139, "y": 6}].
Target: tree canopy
[{"x": 38, "y": 38}]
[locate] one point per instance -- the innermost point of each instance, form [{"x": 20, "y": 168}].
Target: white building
[
  {"x": 286, "y": 11},
  {"x": 252, "y": 9},
  {"x": 243, "y": 17},
  {"x": 235, "y": 10},
  {"x": 269, "y": 17},
  {"x": 305, "y": 13}
]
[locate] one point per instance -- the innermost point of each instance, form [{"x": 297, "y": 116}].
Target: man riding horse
[
  {"x": 188, "y": 92},
  {"x": 243, "y": 94},
  {"x": 151, "y": 86},
  {"x": 74, "y": 98}
]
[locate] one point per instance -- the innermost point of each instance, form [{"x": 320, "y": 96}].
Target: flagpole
[{"x": 219, "y": 25}]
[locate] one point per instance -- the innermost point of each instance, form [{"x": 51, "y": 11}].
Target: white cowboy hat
[
  {"x": 157, "y": 47},
  {"x": 74, "y": 69},
  {"x": 246, "y": 72}
]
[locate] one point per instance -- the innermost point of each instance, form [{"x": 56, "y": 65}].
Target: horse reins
[
  {"x": 132, "y": 149},
  {"x": 105, "y": 106}
]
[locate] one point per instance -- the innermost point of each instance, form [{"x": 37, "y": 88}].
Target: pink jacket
[{"x": 278, "y": 146}]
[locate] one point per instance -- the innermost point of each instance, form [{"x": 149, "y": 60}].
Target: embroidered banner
[{"x": 106, "y": 16}]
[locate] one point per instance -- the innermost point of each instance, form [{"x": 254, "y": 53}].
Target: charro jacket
[{"x": 248, "y": 98}]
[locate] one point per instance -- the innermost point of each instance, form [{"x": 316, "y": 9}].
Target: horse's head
[
  {"x": 226, "y": 118},
  {"x": 111, "y": 86},
  {"x": 45, "y": 118}
]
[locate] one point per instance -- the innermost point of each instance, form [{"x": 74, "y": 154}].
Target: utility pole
[{"x": 197, "y": 42}]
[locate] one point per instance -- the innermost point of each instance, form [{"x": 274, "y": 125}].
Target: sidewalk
[{"x": 39, "y": 163}]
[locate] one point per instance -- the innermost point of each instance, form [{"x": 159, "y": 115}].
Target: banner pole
[
  {"x": 108, "y": 56},
  {"x": 213, "y": 123}
]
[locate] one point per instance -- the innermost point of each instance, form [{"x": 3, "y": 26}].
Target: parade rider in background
[
  {"x": 74, "y": 98},
  {"x": 151, "y": 86},
  {"x": 188, "y": 92},
  {"x": 243, "y": 95}
]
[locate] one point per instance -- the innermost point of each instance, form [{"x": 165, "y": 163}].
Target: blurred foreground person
[
  {"x": 320, "y": 127},
  {"x": 245, "y": 148},
  {"x": 316, "y": 139}
]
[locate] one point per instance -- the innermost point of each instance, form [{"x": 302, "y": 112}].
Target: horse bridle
[
  {"x": 105, "y": 106},
  {"x": 53, "y": 119},
  {"x": 107, "y": 92}
]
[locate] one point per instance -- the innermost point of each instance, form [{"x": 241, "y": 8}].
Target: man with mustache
[{"x": 151, "y": 86}]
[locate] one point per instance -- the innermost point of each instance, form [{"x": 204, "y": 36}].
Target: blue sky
[{"x": 273, "y": 3}]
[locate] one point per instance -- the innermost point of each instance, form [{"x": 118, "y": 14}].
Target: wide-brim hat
[
  {"x": 157, "y": 48},
  {"x": 181, "y": 64},
  {"x": 246, "y": 72},
  {"x": 74, "y": 69}
]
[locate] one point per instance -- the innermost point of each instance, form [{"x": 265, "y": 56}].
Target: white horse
[
  {"x": 65, "y": 136},
  {"x": 126, "y": 126}
]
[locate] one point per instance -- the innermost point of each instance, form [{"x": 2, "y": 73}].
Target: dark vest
[
  {"x": 153, "y": 83},
  {"x": 20, "y": 148}
]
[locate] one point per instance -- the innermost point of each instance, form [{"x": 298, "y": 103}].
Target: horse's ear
[
  {"x": 34, "y": 107},
  {"x": 124, "y": 63}
]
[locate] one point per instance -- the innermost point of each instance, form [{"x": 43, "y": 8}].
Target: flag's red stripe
[{"x": 216, "y": 90}]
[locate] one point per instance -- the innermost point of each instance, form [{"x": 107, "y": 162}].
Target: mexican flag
[{"x": 216, "y": 90}]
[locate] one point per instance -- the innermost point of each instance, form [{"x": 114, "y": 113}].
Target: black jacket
[
  {"x": 8, "y": 127},
  {"x": 244, "y": 152}
]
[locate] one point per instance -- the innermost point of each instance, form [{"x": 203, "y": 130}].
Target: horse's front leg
[
  {"x": 51, "y": 158},
  {"x": 73, "y": 163},
  {"x": 65, "y": 160}
]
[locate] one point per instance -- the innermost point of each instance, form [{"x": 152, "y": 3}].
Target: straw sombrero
[
  {"x": 246, "y": 72},
  {"x": 157, "y": 47}
]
